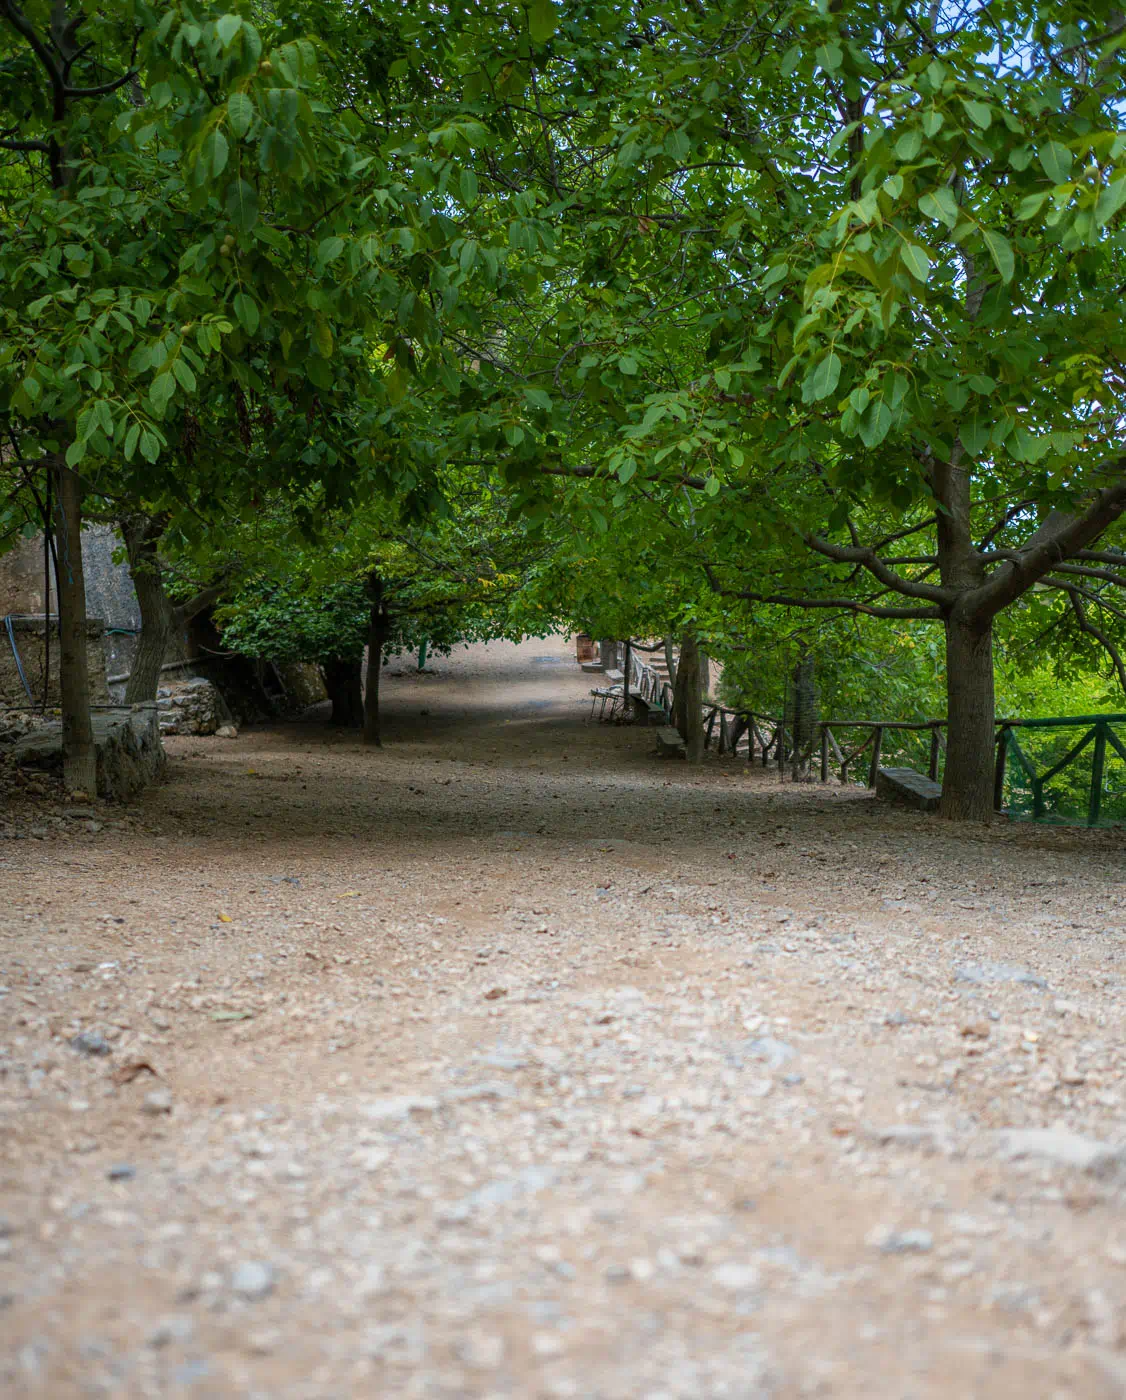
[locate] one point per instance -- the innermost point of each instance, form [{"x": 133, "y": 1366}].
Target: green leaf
[
  {"x": 916, "y": 261},
  {"x": 468, "y": 184},
  {"x": 1056, "y": 159},
  {"x": 823, "y": 378},
  {"x": 322, "y": 338},
  {"x": 1111, "y": 198},
  {"x": 330, "y": 248},
  {"x": 829, "y": 57},
  {"x": 940, "y": 204},
  {"x": 627, "y": 364},
  {"x": 627, "y": 470},
  {"x": 909, "y": 145},
  {"x": 975, "y": 432},
  {"x": 1000, "y": 250},
  {"x": 163, "y": 387},
  {"x": 240, "y": 113},
  {"x": 978, "y": 112},
  {"x": 227, "y": 26},
  {"x": 242, "y": 204},
  {"x": 543, "y": 21},
  {"x": 1031, "y": 205},
  {"x": 131, "y": 441},
  {"x": 215, "y": 152},
  {"x": 876, "y": 423},
  {"x": 711, "y": 486},
  {"x": 31, "y": 388},
  {"x": 790, "y": 60},
  {"x": 246, "y": 309},
  {"x": 150, "y": 445}
]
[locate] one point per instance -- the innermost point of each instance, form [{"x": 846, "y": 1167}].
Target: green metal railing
[{"x": 1065, "y": 771}]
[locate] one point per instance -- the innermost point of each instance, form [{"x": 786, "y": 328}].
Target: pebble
[
  {"x": 122, "y": 1172},
  {"x": 253, "y": 1280},
  {"x": 1058, "y": 1145},
  {"x": 175, "y": 1328},
  {"x": 902, "y": 1241},
  {"x": 985, "y": 973},
  {"x": 736, "y": 1276},
  {"x": 91, "y": 1043},
  {"x": 156, "y": 1102}
]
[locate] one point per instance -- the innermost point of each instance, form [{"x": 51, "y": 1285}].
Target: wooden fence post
[
  {"x": 932, "y": 766},
  {"x": 877, "y": 745},
  {"x": 824, "y": 754}
]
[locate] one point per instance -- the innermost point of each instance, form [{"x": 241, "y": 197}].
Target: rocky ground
[{"x": 513, "y": 1061}]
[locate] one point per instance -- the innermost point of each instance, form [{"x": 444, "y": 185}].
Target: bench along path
[{"x": 513, "y": 1061}]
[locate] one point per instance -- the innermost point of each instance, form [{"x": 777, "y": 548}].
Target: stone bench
[
  {"x": 669, "y": 742},
  {"x": 910, "y": 789},
  {"x": 646, "y": 711}
]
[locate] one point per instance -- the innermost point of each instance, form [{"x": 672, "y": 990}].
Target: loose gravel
[{"x": 513, "y": 1061}]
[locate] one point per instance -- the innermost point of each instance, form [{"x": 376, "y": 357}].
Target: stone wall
[{"x": 29, "y": 636}]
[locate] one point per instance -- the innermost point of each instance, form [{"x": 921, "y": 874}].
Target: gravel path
[{"x": 513, "y": 1061}]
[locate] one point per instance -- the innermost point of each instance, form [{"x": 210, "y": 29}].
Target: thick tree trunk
[
  {"x": 141, "y": 536},
  {"x": 690, "y": 714},
  {"x": 967, "y": 782},
  {"x": 342, "y": 681},
  {"x": 802, "y": 718},
  {"x": 378, "y": 630},
  {"x": 80, "y": 767},
  {"x": 377, "y": 637}
]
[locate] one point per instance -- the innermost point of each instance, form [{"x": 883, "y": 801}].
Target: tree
[
  {"x": 857, "y": 260},
  {"x": 195, "y": 247}
]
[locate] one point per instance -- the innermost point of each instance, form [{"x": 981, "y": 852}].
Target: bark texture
[
  {"x": 379, "y": 627},
  {"x": 80, "y": 769},
  {"x": 690, "y": 713},
  {"x": 142, "y": 535},
  {"x": 967, "y": 783}
]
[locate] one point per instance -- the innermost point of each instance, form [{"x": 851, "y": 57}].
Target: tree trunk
[
  {"x": 342, "y": 681},
  {"x": 802, "y": 718},
  {"x": 378, "y": 629},
  {"x": 690, "y": 716},
  {"x": 80, "y": 766},
  {"x": 141, "y": 536},
  {"x": 967, "y": 782}
]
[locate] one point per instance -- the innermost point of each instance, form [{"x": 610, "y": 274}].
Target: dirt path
[{"x": 512, "y": 1061}]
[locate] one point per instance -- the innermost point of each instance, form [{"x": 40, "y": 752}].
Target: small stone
[
  {"x": 90, "y": 1043},
  {"x": 774, "y": 1052},
  {"x": 902, "y": 1241},
  {"x": 1058, "y": 1145},
  {"x": 977, "y": 1030},
  {"x": 735, "y": 1276},
  {"x": 157, "y": 1102},
  {"x": 985, "y": 973},
  {"x": 481, "y": 1350},
  {"x": 226, "y": 731},
  {"x": 547, "y": 1344},
  {"x": 122, "y": 1172},
  {"x": 175, "y": 1328},
  {"x": 253, "y": 1280},
  {"x": 399, "y": 1107}
]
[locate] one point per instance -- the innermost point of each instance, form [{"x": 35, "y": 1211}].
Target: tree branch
[
  {"x": 870, "y": 560},
  {"x": 1057, "y": 540}
]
